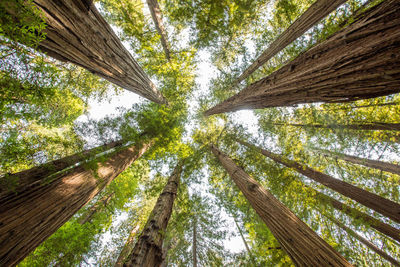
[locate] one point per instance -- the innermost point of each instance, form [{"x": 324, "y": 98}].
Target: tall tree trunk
[
  {"x": 378, "y": 225},
  {"x": 376, "y": 164},
  {"x": 157, "y": 18},
  {"x": 371, "y": 126},
  {"x": 77, "y": 33},
  {"x": 301, "y": 243},
  {"x": 367, "y": 106},
  {"x": 127, "y": 249},
  {"x": 148, "y": 249},
  {"x": 361, "y": 61},
  {"x": 366, "y": 242},
  {"x": 87, "y": 217},
  {"x": 317, "y": 11},
  {"x": 382, "y": 205},
  {"x": 194, "y": 245},
  {"x": 28, "y": 218},
  {"x": 245, "y": 242},
  {"x": 36, "y": 175}
]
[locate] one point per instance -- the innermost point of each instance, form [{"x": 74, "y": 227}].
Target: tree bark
[
  {"x": 376, "y": 164},
  {"x": 317, "y": 11},
  {"x": 368, "y": 126},
  {"x": 361, "y": 61},
  {"x": 157, "y": 18},
  {"x": 194, "y": 245},
  {"x": 36, "y": 175},
  {"x": 301, "y": 243},
  {"x": 87, "y": 217},
  {"x": 27, "y": 219},
  {"x": 382, "y": 205},
  {"x": 378, "y": 225},
  {"x": 127, "y": 249},
  {"x": 148, "y": 249},
  {"x": 245, "y": 242},
  {"x": 77, "y": 33},
  {"x": 366, "y": 242}
]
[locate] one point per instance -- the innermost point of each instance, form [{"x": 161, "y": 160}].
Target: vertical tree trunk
[
  {"x": 28, "y": 218},
  {"x": 382, "y": 205},
  {"x": 157, "y": 18},
  {"x": 87, "y": 217},
  {"x": 194, "y": 245},
  {"x": 148, "y": 249},
  {"x": 245, "y": 242},
  {"x": 316, "y": 12},
  {"x": 362, "y": 61},
  {"x": 36, "y": 175},
  {"x": 366, "y": 242},
  {"x": 77, "y": 33},
  {"x": 127, "y": 249},
  {"x": 376, "y": 164},
  {"x": 378, "y": 225},
  {"x": 301, "y": 243}
]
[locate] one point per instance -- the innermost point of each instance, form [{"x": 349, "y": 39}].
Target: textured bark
[
  {"x": 361, "y": 61},
  {"x": 382, "y": 205},
  {"x": 300, "y": 242},
  {"x": 77, "y": 33},
  {"x": 316, "y": 12},
  {"x": 382, "y": 227},
  {"x": 368, "y": 126},
  {"x": 194, "y": 245},
  {"x": 36, "y": 175},
  {"x": 157, "y": 18},
  {"x": 27, "y": 219},
  {"x": 127, "y": 249},
  {"x": 87, "y": 217},
  {"x": 376, "y": 164},
  {"x": 148, "y": 249},
  {"x": 366, "y": 242}
]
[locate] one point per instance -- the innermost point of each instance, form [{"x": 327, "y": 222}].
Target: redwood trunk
[
  {"x": 148, "y": 249},
  {"x": 301, "y": 243},
  {"x": 157, "y": 18},
  {"x": 371, "y": 126},
  {"x": 77, "y": 33},
  {"x": 194, "y": 245},
  {"x": 382, "y": 205},
  {"x": 27, "y": 219},
  {"x": 361, "y": 61},
  {"x": 36, "y": 175},
  {"x": 316, "y": 12},
  {"x": 366, "y": 242},
  {"x": 87, "y": 217},
  {"x": 245, "y": 242},
  {"x": 127, "y": 249}
]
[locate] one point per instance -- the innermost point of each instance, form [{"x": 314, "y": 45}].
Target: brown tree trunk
[
  {"x": 301, "y": 243},
  {"x": 148, "y": 249},
  {"x": 194, "y": 245},
  {"x": 157, "y": 18},
  {"x": 245, "y": 242},
  {"x": 361, "y": 61},
  {"x": 77, "y": 33},
  {"x": 382, "y": 205},
  {"x": 317, "y": 11},
  {"x": 36, "y": 175},
  {"x": 366, "y": 242},
  {"x": 371, "y": 126},
  {"x": 87, "y": 217},
  {"x": 127, "y": 249},
  {"x": 382, "y": 227},
  {"x": 376, "y": 164},
  {"x": 28, "y": 218}
]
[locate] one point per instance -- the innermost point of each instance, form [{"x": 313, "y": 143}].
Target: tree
[
  {"x": 148, "y": 248},
  {"x": 91, "y": 44},
  {"x": 330, "y": 71},
  {"x": 379, "y": 204},
  {"x": 27, "y": 219},
  {"x": 303, "y": 245}
]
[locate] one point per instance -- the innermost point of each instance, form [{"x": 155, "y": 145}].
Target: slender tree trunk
[
  {"x": 301, "y": 243},
  {"x": 87, "y": 217},
  {"x": 245, "y": 243},
  {"x": 376, "y": 164},
  {"x": 148, "y": 249},
  {"x": 382, "y": 205},
  {"x": 77, "y": 33},
  {"x": 359, "y": 62},
  {"x": 165, "y": 254},
  {"x": 27, "y": 219},
  {"x": 371, "y": 126},
  {"x": 157, "y": 18},
  {"x": 316, "y": 12},
  {"x": 366, "y": 242},
  {"x": 368, "y": 106},
  {"x": 194, "y": 245},
  {"x": 36, "y": 175},
  {"x": 378, "y": 225},
  {"x": 127, "y": 249}
]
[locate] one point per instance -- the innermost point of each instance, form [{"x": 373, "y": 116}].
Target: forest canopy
[{"x": 200, "y": 133}]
